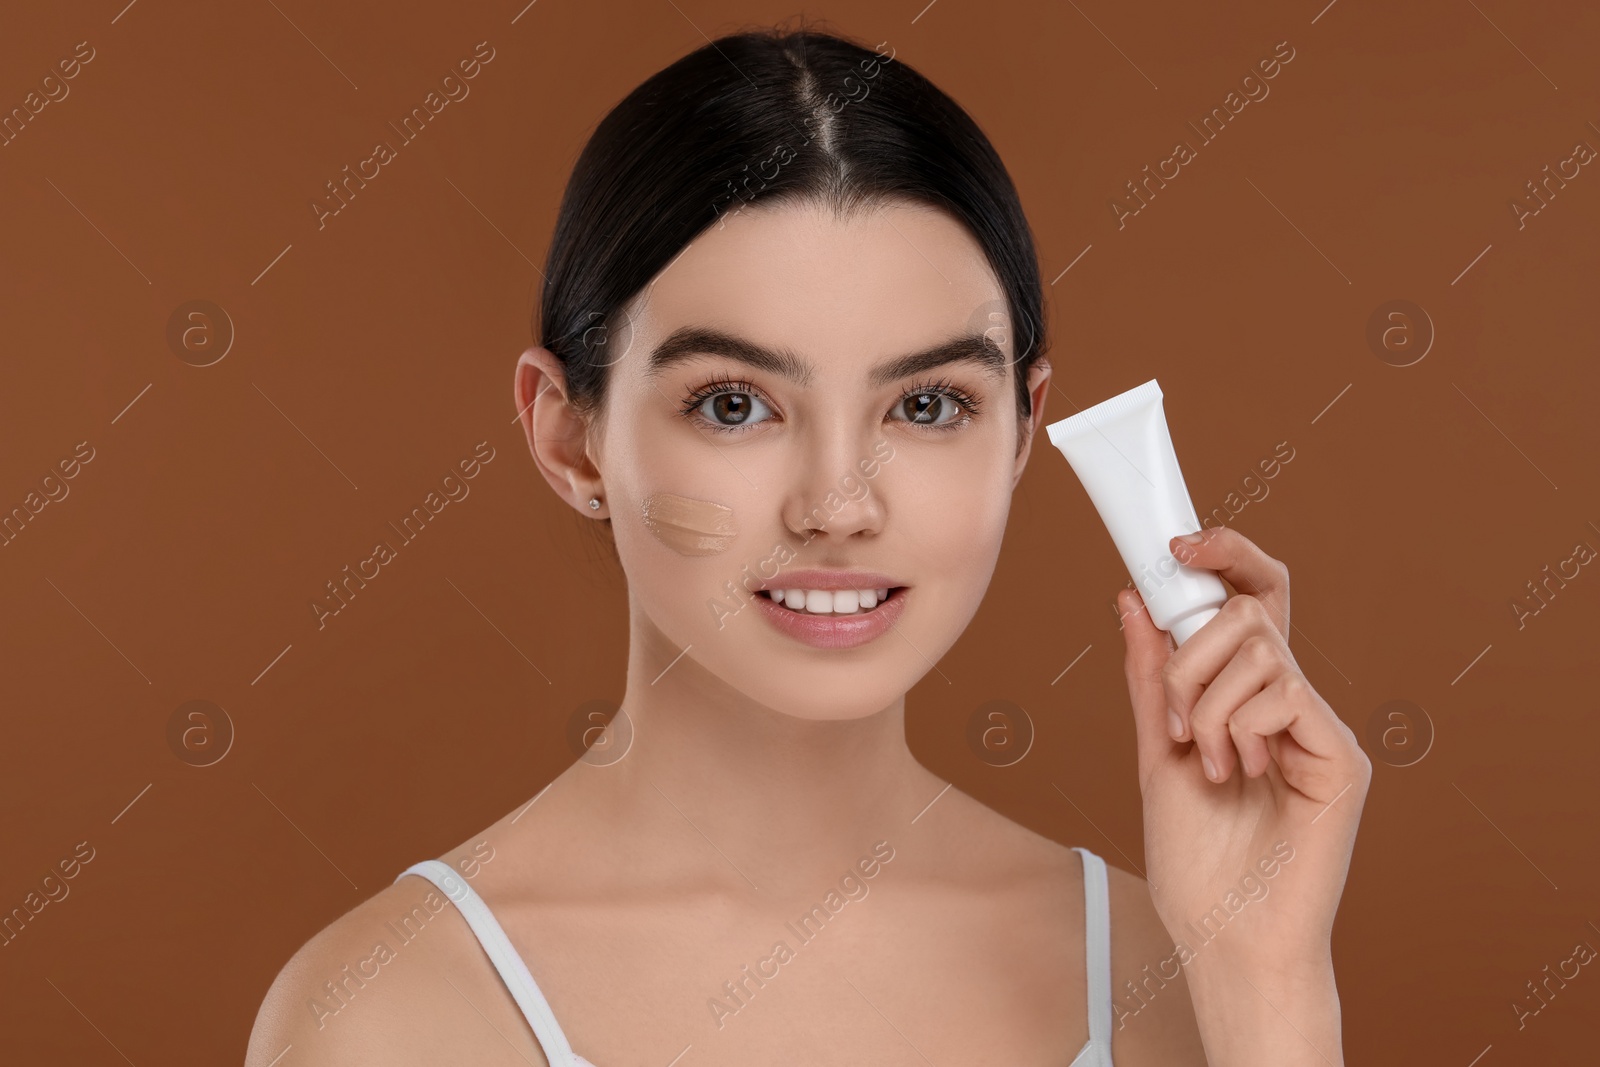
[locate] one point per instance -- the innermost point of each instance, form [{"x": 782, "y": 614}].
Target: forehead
[{"x": 837, "y": 291}]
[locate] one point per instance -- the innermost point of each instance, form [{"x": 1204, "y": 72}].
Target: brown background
[{"x": 377, "y": 351}]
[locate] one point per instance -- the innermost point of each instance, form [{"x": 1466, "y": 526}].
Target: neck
[{"x": 714, "y": 786}]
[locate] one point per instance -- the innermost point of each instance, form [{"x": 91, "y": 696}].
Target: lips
[
  {"x": 835, "y": 632},
  {"x": 833, "y": 579}
]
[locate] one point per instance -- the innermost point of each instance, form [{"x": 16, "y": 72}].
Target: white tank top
[{"x": 1096, "y": 1052}]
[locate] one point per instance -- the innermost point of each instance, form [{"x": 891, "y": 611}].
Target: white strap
[
  {"x": 505, "y": 959},
  {"x": 1097, "y": 955},
  {"x": 514, "y": 972}
]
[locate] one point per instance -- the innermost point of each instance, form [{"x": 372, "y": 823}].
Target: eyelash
[{"x": 940, "y": 387}]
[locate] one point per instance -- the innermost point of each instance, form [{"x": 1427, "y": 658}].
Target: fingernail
[
  {"x": 1191, "y": 539},
  {"x": 1174, "y": 724},
  {"x": 1211, "y": 770}
]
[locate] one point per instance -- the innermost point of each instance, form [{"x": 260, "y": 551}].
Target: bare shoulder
[
  {"x": 1152, "y": 1021},
  {"x": 397, "y": 980},
  {"x": 1152, "y": 1017}
]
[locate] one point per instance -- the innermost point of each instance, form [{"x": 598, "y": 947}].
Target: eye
[
  {"x": 927, "y": 404},
  {"x": 728, "y": 406},
  {"x": 725, "y": 406}
]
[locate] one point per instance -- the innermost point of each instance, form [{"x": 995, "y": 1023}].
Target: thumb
[{"x": 1147, "y": 651}]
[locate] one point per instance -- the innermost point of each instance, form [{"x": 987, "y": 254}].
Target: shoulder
[
  {"x": 399, "y": 979},
  {"x": 1152, "y": 1017}
]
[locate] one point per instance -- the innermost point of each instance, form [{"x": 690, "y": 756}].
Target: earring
[{"x": 594, "y": 503}]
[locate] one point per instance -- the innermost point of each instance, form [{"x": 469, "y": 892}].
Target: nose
[{"x": 832, "y": 491}]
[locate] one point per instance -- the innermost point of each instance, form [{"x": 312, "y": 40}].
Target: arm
[
  {"x": 1253, "y": 790},
  {"x": 1287, "y": 1016}
]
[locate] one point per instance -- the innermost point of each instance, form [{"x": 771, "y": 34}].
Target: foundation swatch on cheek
[{"x": 688, "y": 526}]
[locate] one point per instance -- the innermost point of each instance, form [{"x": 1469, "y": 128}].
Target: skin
[{"x": 760, "y": 770}]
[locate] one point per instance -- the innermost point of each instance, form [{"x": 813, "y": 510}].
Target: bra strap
[{"x": 513, "y": 971}]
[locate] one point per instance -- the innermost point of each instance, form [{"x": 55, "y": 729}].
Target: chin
[{"x": 814, "y": 710}]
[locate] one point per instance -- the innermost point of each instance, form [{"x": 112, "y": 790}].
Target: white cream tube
[{"x": 1122, "y": 452}]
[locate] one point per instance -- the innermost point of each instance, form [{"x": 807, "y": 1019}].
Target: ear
[
  {"x": 1038, "y": 390},
  {"x": 557, "y": 435}
]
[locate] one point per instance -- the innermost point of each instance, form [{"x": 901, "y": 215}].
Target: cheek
[
  {"x": 957, "y": 502},
  {"x": 686, "y": 523},
  {"x": 690, "y": 526}
]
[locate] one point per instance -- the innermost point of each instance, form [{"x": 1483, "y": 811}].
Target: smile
[
  {"x": 837, "y": 602},
  {"x": 870, "y": 618}
]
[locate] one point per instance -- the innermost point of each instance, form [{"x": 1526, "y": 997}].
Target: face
[{"x": 727, "y": 478}]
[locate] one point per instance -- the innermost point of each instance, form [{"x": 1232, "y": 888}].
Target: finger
[
  {"x": 1147, "y": 649},
  {"x": 1238, "y": 560},
  {"x": 1256, "y": 666},
  {"x": 1314, "y": 751},
  {"x": 1203, "y": 656}
]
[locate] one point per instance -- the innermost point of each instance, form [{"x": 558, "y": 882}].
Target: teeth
[{"x": 829, "y": 601}]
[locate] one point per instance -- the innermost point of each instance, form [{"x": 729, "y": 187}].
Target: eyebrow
[{"x": 689, "y": 343}]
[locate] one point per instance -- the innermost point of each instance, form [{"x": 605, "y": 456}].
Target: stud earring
[{"x": 594, "y": 503}]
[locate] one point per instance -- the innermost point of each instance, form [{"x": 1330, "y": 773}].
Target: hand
[{"x": 1287, "y": 773}]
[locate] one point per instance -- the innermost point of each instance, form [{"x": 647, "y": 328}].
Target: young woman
[{"x": 792, "y": 355}]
